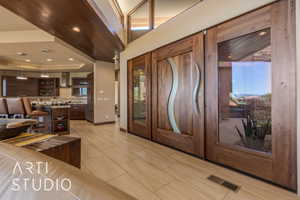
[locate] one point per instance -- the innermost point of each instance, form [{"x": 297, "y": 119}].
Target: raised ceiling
[
  {"x": 127, "y": 5},
  {"x": 59, "y": 17},
  {"x": 10, "y": 22},
  {"x": 41, "y": 50}
]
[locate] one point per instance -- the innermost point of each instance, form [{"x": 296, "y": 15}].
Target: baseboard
[
  {"x": 123, "y": 130},
  {"x": 103, "y": 123}
]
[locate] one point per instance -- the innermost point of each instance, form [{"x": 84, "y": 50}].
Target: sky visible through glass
[{"x": 251, "y": 78}]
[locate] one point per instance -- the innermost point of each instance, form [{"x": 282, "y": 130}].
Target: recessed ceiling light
[
  {"x": 76, "y": 29},
  {"x": 49, "y": 60},
  {"x": 46, "y": 50},
  {"x": 45, "y": 76},
  {"x": 71, "y": 59},
  {"x": 21, "y": 78},
  {"x": 21, "y": 54},
  {"x": 27, "y": 60},
  {"x": 262, "y": 33}
]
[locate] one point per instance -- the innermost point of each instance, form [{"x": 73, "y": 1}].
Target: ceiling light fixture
[
  {"x": 49, "y": 60},
  {"x": 21, "y": 54},
  {"x": 262, "y": 33},
  {"x": 76, "y": 29},
  {"x": 71, "y": 59},
  {"x": 22, "y": 78},
  {"x": 27, "y": 60},
  {"x": 45, "y": 76}
]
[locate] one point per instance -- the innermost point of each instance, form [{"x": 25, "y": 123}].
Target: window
[
  {"x": 151, "y": 13},
  {"x": 166, "y": 9},
  {"x": 139, "y": 21}
]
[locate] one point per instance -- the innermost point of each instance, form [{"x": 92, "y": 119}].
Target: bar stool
[
  {"x": 15, "y": 107},
  {"x": 40, "y": 116},
  {"x": 3, "y": 109}
]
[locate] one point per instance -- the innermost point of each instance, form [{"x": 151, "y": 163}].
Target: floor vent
[{"x": 224, "y": 183}]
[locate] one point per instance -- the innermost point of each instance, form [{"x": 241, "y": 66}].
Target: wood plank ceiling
[{"x": 59, "y": 17}]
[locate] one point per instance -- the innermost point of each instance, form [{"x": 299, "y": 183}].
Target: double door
[{"x": 229, "y": 96}]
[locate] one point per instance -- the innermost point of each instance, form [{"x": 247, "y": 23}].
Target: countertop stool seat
[
  {"x": 39, "y": 115},
  {"x": 15, "y": 107},
  {"x": 3, "y": 109}
]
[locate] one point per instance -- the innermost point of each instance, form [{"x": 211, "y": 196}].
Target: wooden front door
[
  {"x": 251, "y": 96},
  {"x": 177, "y": 95},
  {"x": 139, "y": 96}
]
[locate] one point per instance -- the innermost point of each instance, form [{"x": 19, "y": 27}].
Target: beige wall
[
  {"x": 298, "y": 88},
  {"x": 200, "y": 17},
  {"x": 104, "y": 99}
]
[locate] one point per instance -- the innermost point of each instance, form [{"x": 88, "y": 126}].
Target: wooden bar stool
[{"x": 40, "y": 116}]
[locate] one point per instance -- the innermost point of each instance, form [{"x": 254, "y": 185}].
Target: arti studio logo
[{"x": 32, "y": 176}]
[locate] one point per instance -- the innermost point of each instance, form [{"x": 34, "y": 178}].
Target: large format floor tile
[
  {"x": 150, "y": 171},
  {"x": 133, "y": 187}
]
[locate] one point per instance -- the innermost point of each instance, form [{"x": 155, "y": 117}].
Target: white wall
[
  {"x": 104, "y": 92},
  {"x": 298, "y": 88},
  {"x": 200, "y": 17}
]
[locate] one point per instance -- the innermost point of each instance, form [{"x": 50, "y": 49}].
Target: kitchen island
[{"x": 58, "y": 120}]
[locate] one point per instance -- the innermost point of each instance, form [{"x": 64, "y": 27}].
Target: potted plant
[{"x": 255, "y": 133}]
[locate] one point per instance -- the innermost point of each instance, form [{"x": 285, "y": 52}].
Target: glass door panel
[
  {"x": 139, "y": 95},
  {"x": 245, "y": 91}
]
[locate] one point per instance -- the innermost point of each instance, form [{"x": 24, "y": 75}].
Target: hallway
[{"x": 149, "y": 171}]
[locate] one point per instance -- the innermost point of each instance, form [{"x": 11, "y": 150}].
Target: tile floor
[{"x": 149, "y": 171}]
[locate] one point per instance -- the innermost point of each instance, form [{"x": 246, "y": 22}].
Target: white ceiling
[
  {"x": 127, "y": 5},
  {"x": 11, "y": 22},
  {"x": 163, "y": 8},
  {"x": 171, "y": 8},
  {"x": 57, "y": 52},
  {"x": 18, "y": 35}
]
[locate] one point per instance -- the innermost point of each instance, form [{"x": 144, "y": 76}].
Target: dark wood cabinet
[
  {"x": 139, "y": 96},
  {"x": 77, "y": 111},
  {"x": 89, "y": 113},
  {"x": 79, "y": 86},
  {"x": 49, "y": 87},
  {"x": 58, "y": 120},
  {"x": 13, "y": 87}
]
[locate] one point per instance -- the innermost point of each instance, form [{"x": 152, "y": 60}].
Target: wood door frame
[
  {"x": 195, "y": 145},
  {"x": 279, "y": 167},
  {"x": 137, "y": 129}
]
